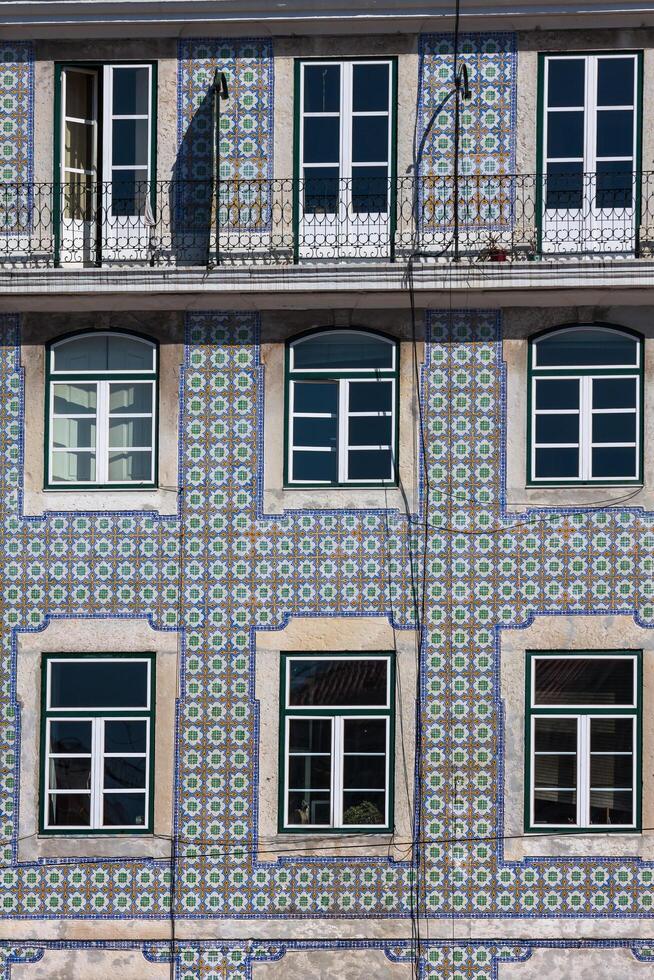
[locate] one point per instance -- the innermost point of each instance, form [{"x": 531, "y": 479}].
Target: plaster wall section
[
  {"x": 518, "y": 326},
  {"x": 38, "y": 330},
  {"x": 582, "y": 964},
  {"x": 91, "y": 964},
  {"x": 326, "y": 964}
]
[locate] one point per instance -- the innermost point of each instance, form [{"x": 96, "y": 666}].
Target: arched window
[
  {"x": 341, "y": 409},
  {"x": 101, "y": 407},
  {"x": 586, "y": 406}
]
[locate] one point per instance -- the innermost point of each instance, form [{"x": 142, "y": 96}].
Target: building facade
[{"x": 327, "y": 490}]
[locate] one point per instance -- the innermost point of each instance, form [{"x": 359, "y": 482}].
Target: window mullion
[
  {"x": 347, "y": 70},
  {"x": 590, "y": 126},
  {"x": 102, "y": 433},
  {"x": 585, "y": 427},
  {"x": 342, "y": 449},
  {"x": 337, "y": 772},
  {"x": 583, "y": 771},
  {"x": 97, "y": 746}
]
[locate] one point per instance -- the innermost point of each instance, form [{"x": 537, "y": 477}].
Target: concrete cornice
[{"x": 179, "y": 18}]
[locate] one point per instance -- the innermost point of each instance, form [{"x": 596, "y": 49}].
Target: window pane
[
  {"x": 371, "y": 396},
  {"x": 370, "y": 431},
  {"x": 125, "y": 736},
  {"x": 614, "y": 428},
  {"x": 79, "y": 94},
  {"x": 613, "y": 771},
  {"x": 71, "y": 433},
  {"x": 130, "y": 432},
  {"x": 557, "y": 393},
  {"x": 586, "y": 346},
  {"x": 376, "y": 464},
  {"x": 129, "y": 191},
  {"x": 557, "y": 464},
  {"x": 364, "y": 735},
  {"x": 70, "y": 773},
  {"x": 565, "y": 134},
  {"x": 615, "y": 462},
  {"x": 341, "y": 350},
  {"x": 555, "y": 806},
  {"x": 615, "y": 133},
  {"x": 370, "y": 190},
  {"x": 614, "y": 184},
  {"x": 69, "y": 809},
  {"x": 310, "y": 735},
  {"x": 98, "y": 684},
  {"x": 130, "y": 142},
  {"x": 78, "y": 146},
  {"x": 610, "y": 807},
  {"x": 321, "y": 191},
  {"x": 314, "y": 432},
  {"x": 564, "y": 187},
  {"x": 101, "y": 353},
  {"x": 309, "y": 808},
  {"x": 315, "y": 467},
  {"x": 129, "y": 354},
  {"x": 130, "y": 398},
  {"x": 73, "y": 467},
  {"x": 566, "y": 81},
  {"x": 322, "y": 88},
  {"x": 614, "y": 392},
  {"x": 124, "y": 773},
  {"x": 611, "y": 734},
  {"x": 132, "y": 467},
  {"x": 124, "y": 809},
  {"x": 321, "y": 139},
  {"x": 365, "y": 807},
  {"x": 130, "y": 92},
  {"x": 555, "y": 770},
  {"x": 316, "y": 396},
  {"x": 309, "y": 772},
  {"x": 74, "y": 399},
  {"x": 555, "y": 734},
  {"x": 600, "y": 680},
  {"x": 364, "y": 771},
  {"x": 370, "y": 88},
  {"x": 70, "y": 736},
  {"x": 338, "y": 682},
  {"x": 557, "y": 428},
  {"x": 369, "y": 139},
  {"x": 615, "y": 81}
]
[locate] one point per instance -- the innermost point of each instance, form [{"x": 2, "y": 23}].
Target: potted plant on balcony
[{"x": 495, "y": 251}]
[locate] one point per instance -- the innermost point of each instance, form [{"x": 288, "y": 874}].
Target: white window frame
[
  {"x": 583, "y": 752},
  {"x": 103, "y": 416},
  {"x": 98, "y": 719},
  {"x": 337, "y": 716}
]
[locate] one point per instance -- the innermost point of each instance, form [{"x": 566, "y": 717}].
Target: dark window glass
[
  {"x": 557, "y": 463},
  {"x": 124, "y": 808},
  {"x": 69, "y": 809},
  {"x": 98, "y": 684},
  {"x": 566, "y": 82},
  {"x": 337, "y": 682},
  {"x": 130, "y": 142},
  {"x": 364, "y": 772},
  {"x": 614, "y": 184},
  {"x": 365, "y": 735},
  {"x": 314, "y": 432},
  {"x": 591, "y": 346},
  {"x": 555, "y": 770},
  {"x": 369, "y": 139},
  {"x": 615, "y": 132},
  {"x": 322, "y": 88},
  {"x": 70, "y": 773},
  {"x": 321, "y": 139},
  {"x": 321, "y": 190},
  {"x": 79, "y": 94},
  {"x": 130, "y": 92},
  {"x": 615, "y": 81},
  {"x": 129, "y": 191},
  {"x": 310, "y": 735},
  {"x": 614, "y": 428},
  {"x": 338, "y": 350},
  {"x": 125, "y": 736},
  {"x": 611, "y": 807},
  {"x": 564, "y": 187},
  {"x": 312, "y": 467},
  {"x": 370, "y": 431},
  {"x": 307, "y": 772},
  {"x": 618, "y": 461},
  {"x": 612, "y": 771},
  {"x": 364, "y": 807},
  {"x": 565, "y": 134},
  {"x": 557, "y": 428},
  {"x": 555, "y": 806},
  {"x": 370, "y": 190},
  {"x": 370, "y": 464},
  {"x": 614, "y": 392},
  {"x": 611, "y": 735},
  {"x": 371, "y": 396},
  {"x": 584, "y": 681},
  {"x": 124, "y": 773},
  {"x": 370, "y": 88},
  {"x": 309, "y": 808},
  {"x": 555, "y": 734},
  {"x": 70, "y": 736},
  {"x": 315, "y": 396},
  {"x": 557, "y": 393}
]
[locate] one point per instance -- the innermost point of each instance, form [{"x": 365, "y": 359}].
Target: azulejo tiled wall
[
  {"x": 221, "y": 569},
  {"x": 487, "y": 129},
  {"x": 16, "y": 107}
]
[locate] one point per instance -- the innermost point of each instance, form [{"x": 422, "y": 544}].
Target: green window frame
[
  {"x": 97, "y": 759},
  {"x": 585, "y": 406},
  {"x": 341, "y": 409},
  {"x": 101, "y": 411},
  {"x": 583, "y": 740},
  {"x": 337, "y": 737}
]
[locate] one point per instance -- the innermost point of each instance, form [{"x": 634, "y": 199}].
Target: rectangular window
[
  {"x": 337, "y": 741},
  {"x": 583, "y": 738},
  {"x": 97, "y": 730}
]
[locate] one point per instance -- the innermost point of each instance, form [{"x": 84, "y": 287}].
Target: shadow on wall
[{"x": 191, "y": 193}]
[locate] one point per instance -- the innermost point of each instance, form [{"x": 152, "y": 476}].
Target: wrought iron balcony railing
[{"x": 500, "y": 218}]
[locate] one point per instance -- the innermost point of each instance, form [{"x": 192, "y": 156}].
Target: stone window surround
[
  {"x": 95, "y": 635},
  {"x": 277, "y": 329},
  {"x": 323, "y": 634},
  {"x": 37, "y": 332},
  {"x": 330, "y": 964},
  {"x": 573, "y": 632},
  {"x": 91, "y": 964},
  {"x": 519, "y": 326}
]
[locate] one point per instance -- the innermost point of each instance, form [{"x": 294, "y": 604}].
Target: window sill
[
  {"x": 286, "y": 844},
  {"x": 338, "y": 498},
  {"x": 44, "y": 847},
  {"x": 520, "y": 498},
  {"x": 157, "y": 500}
]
